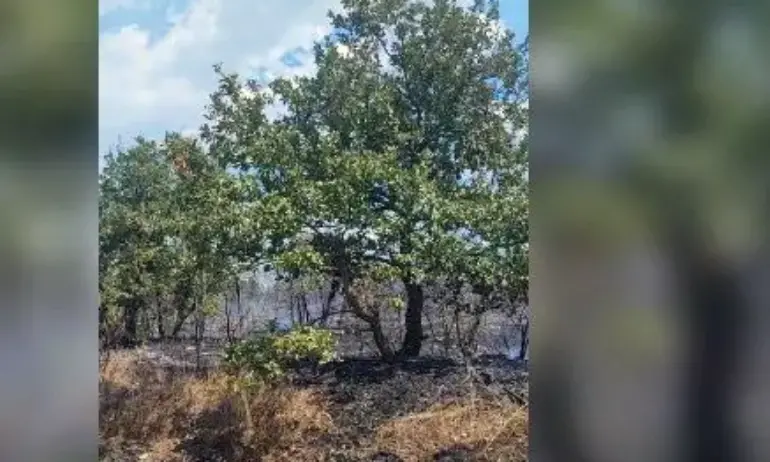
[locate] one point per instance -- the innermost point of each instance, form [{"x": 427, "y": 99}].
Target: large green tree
[{"x": 397, "y": 160}]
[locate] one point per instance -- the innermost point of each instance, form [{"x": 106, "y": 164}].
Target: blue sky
[{"x": 155, "y": 56}]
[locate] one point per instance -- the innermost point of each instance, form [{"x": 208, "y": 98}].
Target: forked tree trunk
[{"x": 372, "y": 319}]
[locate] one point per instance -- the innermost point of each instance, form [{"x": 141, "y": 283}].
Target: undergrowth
[{"x": 151, "y": 414}]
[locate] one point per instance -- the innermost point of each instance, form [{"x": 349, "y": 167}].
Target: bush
[{"x": 264, "y": 358}]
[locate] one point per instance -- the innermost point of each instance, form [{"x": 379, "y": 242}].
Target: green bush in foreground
[{"x": 265, "y": 357}]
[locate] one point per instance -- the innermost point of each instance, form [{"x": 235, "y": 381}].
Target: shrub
[
  {"x": 264, "y": 358},
  {"x": 306, "y": 343}
]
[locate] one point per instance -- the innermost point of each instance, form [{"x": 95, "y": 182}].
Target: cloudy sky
[{"x": 155, "y": 56}]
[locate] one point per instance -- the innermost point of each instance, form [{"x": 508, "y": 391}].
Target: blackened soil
[{"x": 364, "y": 393}]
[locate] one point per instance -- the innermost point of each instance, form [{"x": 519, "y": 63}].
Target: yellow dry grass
[
  {"x": 173, "y": 418},
  {"x": 495, "y": 431}
]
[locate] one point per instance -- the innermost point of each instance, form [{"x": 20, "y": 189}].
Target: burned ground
[{"x": 350, "y": 410}]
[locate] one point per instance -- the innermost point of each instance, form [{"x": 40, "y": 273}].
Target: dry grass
[
  {"x": 493, "y": 431},
  {"x": 125, "y": 369},
  {"x": 158, "y": 416},
  {"x": 153, "y": 415}
]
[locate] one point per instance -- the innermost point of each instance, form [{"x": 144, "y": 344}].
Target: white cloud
[
  {"x": 343, "y": 50},
  {"x": 110, "y": 6},
  {"x": 149, "y": 85},
  {"x": 495, "y": 28}
]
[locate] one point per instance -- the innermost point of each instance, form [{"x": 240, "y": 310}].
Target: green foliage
[
  {"x": 173, "y": 227},
  {"x": 306, "y": 343},
  {"x": 264, "y": 358},
  {"x": 401, "y": 157},
  {"x": 299, "y": 259},
  {"x": 397, "y": 304},
  {"x": 254, "y": 359},
  {"x": 211, "y": 305}
]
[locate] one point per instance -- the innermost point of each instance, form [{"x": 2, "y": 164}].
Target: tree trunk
[
  {"x": 292, "y": 304},
  {"x": 146, "y": 318},
  {"x": 228, "y": 323},
  {"x": 466, "y": 338},
  {"x": 372, "y": 319},
  {"x": 182, "y": 314},
  {"x": 161, "y": 325},
  {"x": 304, "y": 313},
  {"x": 106, "y": 334},
  {"x": 381, "y": 341},
  {"x": 556, "y": 436},
  {"x": 177, "y": 327},
  {"x": 326, "y": 309},
  {"x": 238, "y": 305},
  {"x": 524, "y": 345},
  {"x": 413, "y": 336},
  {"x": 184, "y": 306},
  {"x": 716, "y": 315},
  {"x": 130, "y": 323},
  {"x": 292, "y": 312},
  {"x": 198, "y": 337}
]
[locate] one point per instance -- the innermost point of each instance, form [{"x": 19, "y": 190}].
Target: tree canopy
[{"x": 402, "y": 159}]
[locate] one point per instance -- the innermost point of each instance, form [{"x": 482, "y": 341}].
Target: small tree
[
  {"x": 136, "y": 260},
  {"x": 212, "y": 227},
  {"x": 174, "y": 229}
]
